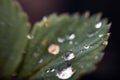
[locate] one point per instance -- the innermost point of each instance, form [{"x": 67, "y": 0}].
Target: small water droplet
[
  {"x": 100, "y": 35},
  {"x": 69, "y": 55},
  {"x": 50, "y": 70},
  {"x": 71, "y": 36},
  {"x": 108, "y": 34},
  {"x": 66, "y": 73},
  {"x": 90, "y": 34},
  {"x": 53, "y": 70},
  {"x": 29, "y": 36},
  {"x": 86, "y": 47},
  {"x": 45, "y": 21},
  {"x": 54, "y": 49},
  {"x": 45, "y": 18},
  {"x": 60, "y": 40},
  {"x": 105, "y": 43},
  {"x": 98, "y": 25},
  {"x": 96, "y": 57},
  {"x": 70, "y": 42},
  {"x": 40, "y": 61}
]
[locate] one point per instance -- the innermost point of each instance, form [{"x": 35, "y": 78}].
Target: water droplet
[
  {"x": 53, "y": 70},
  {"x": 108, "y": 34},
  {"x": 44, "y": 18},
  {"x": 29, "y": 36},
  {"x": 105, "y": 43},
  {"x": 100, "y": 35},
  {"x": 98, "y": 25},
  {"x": 54, "y": 49},
  {"x": 69, "y": 55},
  {"x": 50, "y": 70},
  {"x": 60, "y": 40},
  {"x": 86, "y": 47},
  {"x": 71, "y": 36},
  {"x": 96, "y": 57},
  {"x": 40, "y": 61},
  {"x": 70, "y": 42},
  {"x": 90, "y": 34},
  {"x": 66, "y": 73},
  {"x": 45, "y": 21}
]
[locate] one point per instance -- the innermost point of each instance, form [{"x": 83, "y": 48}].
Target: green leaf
[
  {"x": 74, "y": 43},
  {"x": 14, "y": 28}
]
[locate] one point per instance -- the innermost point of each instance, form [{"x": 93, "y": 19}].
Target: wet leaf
[{"x": 64, "y": 47}]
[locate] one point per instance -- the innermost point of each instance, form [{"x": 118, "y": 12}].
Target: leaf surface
[{"x": 82, "y": 36}]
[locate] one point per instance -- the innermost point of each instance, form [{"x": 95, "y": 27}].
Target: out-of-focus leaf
[{"x": 14, "y": 28}]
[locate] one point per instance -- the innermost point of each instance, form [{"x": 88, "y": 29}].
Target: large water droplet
[
  {"x": 98, "y": 25},
  {"x": 30, "y": 37},
  {"x": 66, "y": 73},
  {"x": 60, "y": 40},
  {"x": 71, "y": 36},
  {"x": 54, "y": 49},
  {"x": 69, "y": 55}
]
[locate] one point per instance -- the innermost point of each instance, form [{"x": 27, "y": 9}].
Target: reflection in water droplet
[
  {"x": 98, "y": 25},
  {"x": 60, "y": 40},
  {"x": 52, "y": 70},
  {"x": 71, "y": 36},
  {"x": 69, "y": 55},
  {"x": 54, "y": 49},
  {"x": 66, "y": 73},
  {"x": 86, "y": 47},
  {"x": 40, "y": 61},
  {"x": 29, "y": 36},
  {"x": 100, "y": 35}
]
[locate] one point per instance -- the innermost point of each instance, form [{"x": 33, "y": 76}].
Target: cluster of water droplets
[
  {"x": 70, "y": 37},
  {"x": 50, "y": 70}
]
